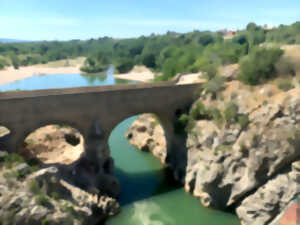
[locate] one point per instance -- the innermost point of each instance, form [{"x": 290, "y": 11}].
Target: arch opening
[
  {"x": 53, "y": 144},
  {"x": 5, "y": 132},
  {"x": 131, "y": 143}
]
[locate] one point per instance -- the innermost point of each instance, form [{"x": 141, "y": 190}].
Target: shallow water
[{"x": 149, "y": 196}]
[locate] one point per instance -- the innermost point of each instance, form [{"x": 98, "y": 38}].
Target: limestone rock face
[
  {"x": 271, "y": 199},
  {"x": 146, "y": 134},
  {"x": 253, "y": 168},
  {"x": 46, "y": 196},
  {"x": 229, "y": 72},
  {"x": 249, "y": 167}
]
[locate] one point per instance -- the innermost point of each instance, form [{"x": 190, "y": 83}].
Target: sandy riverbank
[
  {"x": 10, "y": 74},
  {"x": 138, "y": 73}
]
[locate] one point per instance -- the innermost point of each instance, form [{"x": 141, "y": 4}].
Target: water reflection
[
  {"x": 144, "y": 184},
  {"x": 64, "y": 81},
  {"x": 93, "y": 78}
]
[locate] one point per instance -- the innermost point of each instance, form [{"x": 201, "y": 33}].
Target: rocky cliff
[
  {"x": 38, "y": 187},
  {"x": 248, "y": 160},
  {"x": 29, "y": 195},
  {"x": 146, "y": 134}
]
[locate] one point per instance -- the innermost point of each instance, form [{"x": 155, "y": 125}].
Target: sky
[{"x": 85, "y": 19}]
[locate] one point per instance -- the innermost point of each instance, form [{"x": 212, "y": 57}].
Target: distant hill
[{"x": 6, "y": 40}]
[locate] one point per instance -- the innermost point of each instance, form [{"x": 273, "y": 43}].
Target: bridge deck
[{"x": 82, "y": 90}]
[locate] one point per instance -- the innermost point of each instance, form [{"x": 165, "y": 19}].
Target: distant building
[
  {"x": 231, "y": 32},
  {"x": 227, "y": 34},
  {"x": 224, "y": 31},
  {"x": 267, "y": 27}
]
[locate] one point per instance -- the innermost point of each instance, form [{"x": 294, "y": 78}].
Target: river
[{"x": 148, "y": 194}]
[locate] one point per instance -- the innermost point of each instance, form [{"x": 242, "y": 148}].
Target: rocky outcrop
[
  {"x": 48, "y": 197},
  {"x": 227, "y": 165},
  {"x": 251, "y": 166},
  {"x": 272, "y": 199},
  {"x": 229, "y": 72},
  {"x": 146, "y": 134}
]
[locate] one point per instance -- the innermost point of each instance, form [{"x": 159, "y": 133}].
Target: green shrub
[
  {"x": 190, "y": 125},
  {"x": 231, "y": 113},
  {"x": 285, "y": 84},
  {"x": 3, "y": 63},
  {"x": 243, "y": 120},
  {"x": 216, "y": 116},
  {"x": 181, "y": 123},
  {"x": 14, "y": 175},
  {"x": 15, "y": 61},
  {"x": 42, "y": 200},
  {"x": 34, "y": 187},
  {"x": 199, "y": 112},
  {"x": 12, "y": 159},
  {"x": 124, "y": 65},
  {"x": 45, "y": 221},
  {"x": 259, "y": 65},
  {"x": 93, "y": 69},
  {"x": 285, "y": 66},
  {"x": 214, "y": 86},
  {"x": 55, "y": 195},
  {"x": 68, "y": 209},
  {"x": 205, "y": 65}
]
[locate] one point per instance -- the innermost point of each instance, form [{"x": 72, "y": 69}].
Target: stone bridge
[{"x": 94, "y": 111}]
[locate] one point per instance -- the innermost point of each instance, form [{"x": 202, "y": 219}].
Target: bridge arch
[
  {"x": 164, "y": 120},
  {"x": 53, "y": 144}
]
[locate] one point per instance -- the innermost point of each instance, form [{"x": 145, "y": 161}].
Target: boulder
[
  {"x": 146, "y": 134},
  {"x": 271, "y": 199},
  {"x": 229, "y": 72}
]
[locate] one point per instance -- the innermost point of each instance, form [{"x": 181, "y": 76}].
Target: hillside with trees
[{"x": 167, "y": 55}]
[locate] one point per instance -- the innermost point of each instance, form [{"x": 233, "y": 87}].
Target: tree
[
  {"x": 251, "y": 27},
  {"x": 15, "y": 61},
  {"x": 149, "y": 60},
  {"x": 259, "y": 65}
]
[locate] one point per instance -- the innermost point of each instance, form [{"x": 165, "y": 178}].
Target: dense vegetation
[
  {"x": 259, "y": 65},
  {"x": 285, "y": 34},
  {"x": 166, "y": 55}
]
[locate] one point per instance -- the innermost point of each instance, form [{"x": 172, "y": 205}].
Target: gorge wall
[{"x": 253, "y": 166}]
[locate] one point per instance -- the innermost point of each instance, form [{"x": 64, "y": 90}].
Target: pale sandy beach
[
  {"x": 10, "y": 74},
  {"x": 191, "y": 78},
  {"x": 138, "y": 73}
]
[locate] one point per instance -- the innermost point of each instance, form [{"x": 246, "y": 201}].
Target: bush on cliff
[
  {"x": 285, "y": 66},
  {"x": 181, "y": 124},
  {"x": 214, "y": 86},
  {"x": 199, "y": 112},
  {"x": 11, "y": 160},
  {"x": 259, "y": 65},
  {"x": 231, "y": 113},
  {"x": 285, "y": 84}
]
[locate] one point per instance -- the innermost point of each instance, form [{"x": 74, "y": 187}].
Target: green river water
[{"x": 149, "y": 196}]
